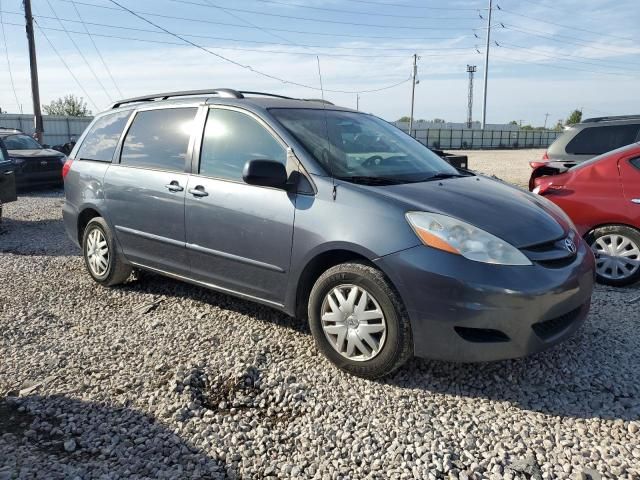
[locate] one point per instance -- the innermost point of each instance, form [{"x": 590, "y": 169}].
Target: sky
[{"x": 546, "y": 56}]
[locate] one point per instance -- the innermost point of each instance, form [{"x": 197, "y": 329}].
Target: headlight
[{"x": 458, "y": 237}]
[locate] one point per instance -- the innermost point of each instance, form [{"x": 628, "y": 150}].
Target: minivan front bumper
[{"x": 468, "y": 311}]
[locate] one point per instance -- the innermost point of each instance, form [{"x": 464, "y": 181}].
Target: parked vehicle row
[
  {"x": 329, "y": 214},
  {"x": 7, "y": 180},
  {"x": 33, "y": 164}
]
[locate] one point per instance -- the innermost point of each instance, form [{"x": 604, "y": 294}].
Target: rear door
[
  {"x": 145, "y": 190},
  {"x": 630, "y": 175},
  {"x": 239, "y": 236}
]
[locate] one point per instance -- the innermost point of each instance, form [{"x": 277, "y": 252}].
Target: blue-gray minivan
[{"x": 330, "y": 215}]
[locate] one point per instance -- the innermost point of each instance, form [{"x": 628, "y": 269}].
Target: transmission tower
[{"x": 471, "y": 69}]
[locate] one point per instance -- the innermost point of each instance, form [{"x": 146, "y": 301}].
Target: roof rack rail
[
  {"x": 611, "y": 118},
  {"x": 319, "y": 100},
  {"x": 265, "y": 94},
  {"x": 223, "y": 92}
]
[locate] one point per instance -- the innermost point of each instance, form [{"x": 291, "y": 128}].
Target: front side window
[
  {"x": 598, "y": 140},
  {"x": 232, "y": 138},
  {"x": 101, "y": 140},
  {"x": 21, "y": 142},
  {"x": 159, "y": 139},
  {"x": 362, "y": 148}
]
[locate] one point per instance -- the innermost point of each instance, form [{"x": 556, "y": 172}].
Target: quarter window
[
  {"x": 598, "y": 140},
  {"x": 231, "y": 139},
  {"x": 159, "y": 139},
  {"x": 636, "y": 163},
  {"x": 101, "y": 140}
]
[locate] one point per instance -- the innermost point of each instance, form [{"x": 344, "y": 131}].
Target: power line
[
  {"x": 104, "y": 63},
  {"x": 6, "y": 51},
  {"x": 301, "y": 32},
  {"x": 226, "y": 47},
  {"x": 564, "y": 39},
  {"x": 84, "y": 59},
  {"x": 403, "y": 5},
  {"x": 565, "y": 26},
  {"x": 44, "y": 34},
  {"x": 568, "y": 57},
  {"x": 248, "y": 41},
  {"x": 317, "y": 20},
  {"x": 349, "y": 12},
  {"x": 248, "y": 67},
  {"x": 510, "y": 46}
]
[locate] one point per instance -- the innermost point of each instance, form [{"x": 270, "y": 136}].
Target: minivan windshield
[
  {"x": 361, "y": 148},
  {"x": 21, "y": 142}
]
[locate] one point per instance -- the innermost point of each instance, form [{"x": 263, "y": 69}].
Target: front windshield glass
[
  {"x": 21, "y": 142},
  {"x": 360, "y": 147}
]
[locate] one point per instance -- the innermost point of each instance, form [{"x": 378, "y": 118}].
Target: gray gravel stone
[{"x": 207, "y": 386}]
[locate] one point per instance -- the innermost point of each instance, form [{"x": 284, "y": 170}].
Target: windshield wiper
[
  {"x": 367, "y": 180},
  {"x": 443, "y": 176}
]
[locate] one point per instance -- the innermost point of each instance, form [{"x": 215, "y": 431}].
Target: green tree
[
  {"x": 404, "y": 119},
  {"x": 70, "y": 106},
  {"x": 575, "y": 117}
]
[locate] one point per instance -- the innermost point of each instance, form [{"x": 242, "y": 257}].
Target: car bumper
[
  {"x": 70, "y": 220},
  {"x": 34, "y": 179},
  {"x": 468, "y": 311}
]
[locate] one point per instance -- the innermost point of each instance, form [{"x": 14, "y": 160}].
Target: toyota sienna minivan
[{"x": 329, "y": 215}]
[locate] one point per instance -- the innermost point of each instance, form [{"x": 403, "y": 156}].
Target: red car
[{"x": 602, "y": 197}]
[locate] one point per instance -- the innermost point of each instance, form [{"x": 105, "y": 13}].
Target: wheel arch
[
  {"x": 315, "y": 266},
  {"x": 84, "y": 217},
  {"x": 610, "y": 224}
]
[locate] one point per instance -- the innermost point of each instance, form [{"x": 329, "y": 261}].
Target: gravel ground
[
  {"x": 158, "y": 379},
  {"x": 509, "y": 165}
]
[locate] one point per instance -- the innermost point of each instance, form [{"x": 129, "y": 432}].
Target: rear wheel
[
  {"x": 617, "y": 251},
  {"x": 102, "y": 259},
  {"x": 358, "y": 321}
]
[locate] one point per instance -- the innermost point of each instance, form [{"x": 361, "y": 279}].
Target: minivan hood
[{"x": 520, "y": 218}]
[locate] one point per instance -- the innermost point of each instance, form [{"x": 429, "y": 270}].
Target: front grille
[
  {"x": 481, "y": 335},
  {"x": 554, "y": 254},
  {"x": 550, "y": 328},
  {"x": 34, "y": 165}
]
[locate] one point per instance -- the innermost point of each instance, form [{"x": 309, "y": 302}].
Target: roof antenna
[{"x": 326, "y": 123}]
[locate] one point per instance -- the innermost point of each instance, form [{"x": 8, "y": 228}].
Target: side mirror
[{"x": 265, "y": 173}]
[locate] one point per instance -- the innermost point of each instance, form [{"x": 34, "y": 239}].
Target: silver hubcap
[
  {"x": 97, "y": 252},
  {"x": 353, "y": 322},
  {"x": 617, "y": 257}
]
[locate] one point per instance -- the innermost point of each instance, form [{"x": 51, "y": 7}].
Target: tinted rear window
[
  {"x": 636, "y": 163},
  {"x": 21, "y": 142},
  {"x": 598, "y": 140},
  {"x": 101, "y": 141},
  {"x": 159, "y": 139}
]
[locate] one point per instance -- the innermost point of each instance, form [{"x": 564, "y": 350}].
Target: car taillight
[
  {"x": 66, "y": 167},
  {"x": 545, "y": 157},
  {"x": 540, "y": 163}
]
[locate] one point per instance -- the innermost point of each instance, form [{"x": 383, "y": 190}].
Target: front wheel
[
  {"x": 358, "y": 321},
  {"x": 617, "y": 251},
  {"x": 101, "y": 257}
]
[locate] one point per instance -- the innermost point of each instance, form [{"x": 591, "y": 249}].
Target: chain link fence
[
  {"x": 57, "y": 130},
  {"x": 467, "y": 139}
]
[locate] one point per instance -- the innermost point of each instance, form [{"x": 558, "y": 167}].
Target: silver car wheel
[
  {"x": 97, "y": 252},
  {"x": 353, "y": 322},
  {"x": 617, "y": 256}
]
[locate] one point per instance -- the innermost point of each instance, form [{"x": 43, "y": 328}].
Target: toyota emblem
[{"x": 568, "y": 243}]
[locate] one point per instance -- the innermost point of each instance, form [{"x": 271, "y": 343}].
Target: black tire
[
  {"x": 624, "y": 231},
  {"x": 117, "y": 270},
  {"x": 398, "y": 344}
]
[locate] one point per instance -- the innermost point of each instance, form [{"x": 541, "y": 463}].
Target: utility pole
[
  {"x": 486, "y": 66},
  {"x": 471, "y": 69},
  {"x": 414, "y": 74},
  {"x": 35, "y": 88},
  {"x": 357, "y": 102},
  {"x": 546, "y": 117}
]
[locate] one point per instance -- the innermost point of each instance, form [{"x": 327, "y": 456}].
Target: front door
[
  {"x": 239, "y": 236},
  {"x": 630, "y": 176},
  {"x": 145, "y": 192}
]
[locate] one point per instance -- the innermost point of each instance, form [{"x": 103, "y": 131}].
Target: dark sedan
[{"x": 33, "y": 164}]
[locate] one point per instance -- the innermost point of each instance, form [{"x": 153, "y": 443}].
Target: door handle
[
  {"x": 198, "y": 191},
  {"x": 635, "y": 200},
  {"x": 174, "y": 187}
]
